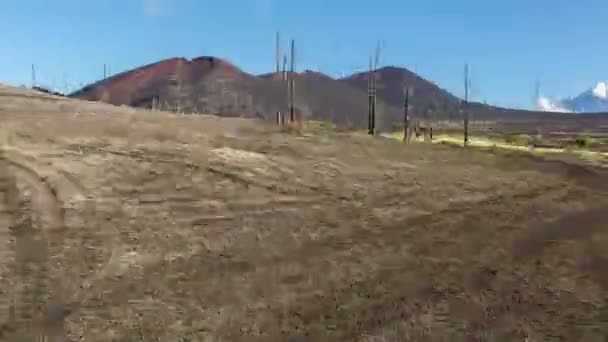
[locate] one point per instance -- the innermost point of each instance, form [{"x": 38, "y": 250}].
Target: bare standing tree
[
  {"x": 278, "y": 66},
  {"x": 467, "y": 84},
  {"x": 372, "y": 90},
  {"x": 406, "y": 115},
  {"x": 375, "y": 86},
  {"x": 278, "y": 51},
  {"x": 285, "y": 68},
  {"x": 155, "y": 103},
  {"x": 33, "y": 75},
  {"x": 178, "y": 78},
  {"x": 370, "y": 98},
  {"x": 292, "y": 114}
]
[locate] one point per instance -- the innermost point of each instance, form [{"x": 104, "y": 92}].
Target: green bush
[
  {"x": 317, "y": 125},
  {"x": 582, "y": 141},
  {"x": 397, "y": 127},
  {"x": 519, "y": 139}
]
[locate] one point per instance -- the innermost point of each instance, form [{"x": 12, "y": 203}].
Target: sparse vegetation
[
  {"x": 349, "y": 127},
  {"x": 519, "y": 139},
  {"x": 320, "y": 127},
  {"x": 205, "y": 228},
  {"x": 583, "y": 141}
]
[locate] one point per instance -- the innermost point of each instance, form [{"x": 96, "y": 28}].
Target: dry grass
[
  {"x": 161, "y": 227},
  {"x": 294, "y": 127}
]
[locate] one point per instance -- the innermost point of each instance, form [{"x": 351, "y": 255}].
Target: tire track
[
  {"x": 45, "y": 204},
  {"x": 62, "y": 184},
  {"x": 342, "y": 247},
  {"x": 25, "y": 260},
  {"x": 8, "y": 206},
  {"x": 35, "y": 201}
]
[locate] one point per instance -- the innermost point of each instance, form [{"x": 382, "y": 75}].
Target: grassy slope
[
  {"x": 208, "y": 229},
  {"x": 488, "y": 142}
]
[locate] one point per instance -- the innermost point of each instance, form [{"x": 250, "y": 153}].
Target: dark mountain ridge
[{"x": 212, "y": 85}]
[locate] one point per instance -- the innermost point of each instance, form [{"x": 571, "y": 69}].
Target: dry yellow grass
[{"x": 151, "y": 226}]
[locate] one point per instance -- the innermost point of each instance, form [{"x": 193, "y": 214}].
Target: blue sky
[{"x": 509, "y": 44}]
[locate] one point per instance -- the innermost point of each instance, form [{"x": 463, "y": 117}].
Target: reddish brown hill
[
  {"x": 282, "y": 75},
  {"x": 213, "y": 86},
  {"x": 277, "y": 76},
  {"x": 165, "y": 79}
]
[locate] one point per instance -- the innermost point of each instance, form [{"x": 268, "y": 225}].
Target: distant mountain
[
  {"x": 591, "y": 101},
  {"x": 47, "y": 90},
  {"x": 427, "y": 99},
  {"x": 203, "y": 85},
  {"x": 213, "y": 86},
  {"x": 209, "y": 85},
  {"x": 283, "y": 75}
]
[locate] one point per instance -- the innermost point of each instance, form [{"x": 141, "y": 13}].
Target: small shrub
[
  {"x": 319, "y": 125},
  {"x": 294, "y": 127},
  {"x": 349, "y": 127},
  {"x": 397, "y": 127},
  {"x": 519, "y": 139},
  {"x": 582, "y": 141},
  {"x": 326, "y": 125}
]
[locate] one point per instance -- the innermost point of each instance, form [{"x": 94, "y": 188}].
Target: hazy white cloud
[
  {"x": 154, "y": 8},
  {"x": 548, "y": 105}
]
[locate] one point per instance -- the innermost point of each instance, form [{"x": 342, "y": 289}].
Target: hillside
[
  {"x": 131, "y": 225},
  {"x": 213, "y": 86},
  {"x": 592, "y": 100},
  {"x": 427, "y": 99},
  {"x": 204, "y": 85}
]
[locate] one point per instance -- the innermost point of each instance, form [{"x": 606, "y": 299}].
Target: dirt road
[{"x": 151, "y": 227}]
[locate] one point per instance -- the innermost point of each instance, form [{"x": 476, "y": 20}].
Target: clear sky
[{"x": 509, "y": 43}]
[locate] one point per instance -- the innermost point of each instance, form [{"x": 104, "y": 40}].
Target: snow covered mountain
[{"x": 592, "y": 100}]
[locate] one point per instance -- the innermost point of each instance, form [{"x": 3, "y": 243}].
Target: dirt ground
[{"x": 143, "y": 226}]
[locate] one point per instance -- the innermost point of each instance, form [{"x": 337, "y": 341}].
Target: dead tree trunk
[
  {"x": 178, "y": 76},
  {"x": 285, "y": 68},
  {"x": 287, "y": 80},
  {"x": 34, "y": 76},
  {"x": 370, "y": 99},
  {"x": 278, "y": 52},
  {"x": 375, "y": 85},
  {"x": 292, "y": 113},
  {"x": 466, "y": 104},
  {"x": 406, "y": 116}
]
